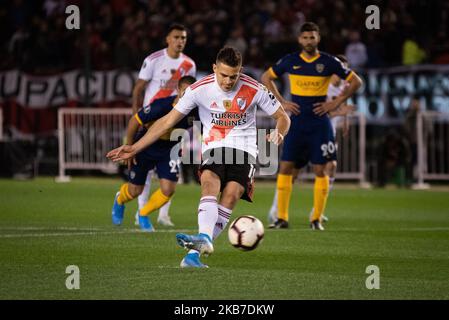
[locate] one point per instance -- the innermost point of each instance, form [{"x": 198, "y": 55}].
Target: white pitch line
[
  {"x": 330, "y": 229},
  {"x": 48, "y": 228},
  {"x": 99, "y": 231},
  {"x": 391, "y": 230},
  {"x": 92, "y": 233}
]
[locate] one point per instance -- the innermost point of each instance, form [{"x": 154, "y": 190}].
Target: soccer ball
[{"x": 246, "y": 232}]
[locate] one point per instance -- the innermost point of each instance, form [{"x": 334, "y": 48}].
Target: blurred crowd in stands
[{"x": 121, "y": 33}]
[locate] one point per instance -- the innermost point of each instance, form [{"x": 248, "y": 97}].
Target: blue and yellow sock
[
  {"x": 320, "y": 193},
  {"x": 157, "y": 200},
  {"x": 284, "y": 188},
  {"x": 124, "y": 195}
]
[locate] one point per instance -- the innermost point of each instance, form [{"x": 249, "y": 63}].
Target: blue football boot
[
  {"x": 201, "y": 243},
  {"x": 118, "y": 211},
  {"x": 145, "y": 224},
  {"x": 192, "y": 260}
]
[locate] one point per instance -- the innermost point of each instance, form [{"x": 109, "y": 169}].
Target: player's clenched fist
[{"x": 275, "y": 137}]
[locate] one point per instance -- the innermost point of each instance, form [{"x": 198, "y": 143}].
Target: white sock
[
  {"x": 274, "y": 205},
  {"x": 163, "y": 211},
  {"x": 207, "y": 215},
  {"x": 193, "y": 251},
  {"x": 224, "y": 214},
  {"x": 142, "y": 199},
  {"x": 331, "y": 183}
]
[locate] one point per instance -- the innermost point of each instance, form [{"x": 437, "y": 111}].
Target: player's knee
[
  {"x": 168, "y": 191},
  {"x": 331, "y": 168},
  {"x": 210, "y": 184},
  {"x": 209, "y": 188},
  {"x": 167, "y": 187},
  {"x": 286, "y": 167},
  {"x": 319, "y": 171},
  {"x": 135, "y": 190}
]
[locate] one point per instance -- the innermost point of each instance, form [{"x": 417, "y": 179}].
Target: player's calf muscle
[{"x": 229, "y": 198}]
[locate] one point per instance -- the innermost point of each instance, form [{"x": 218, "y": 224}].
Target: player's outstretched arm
[
  {"x": 354, "y": 83},
  {"x": 267, "y": 80},
  {"x": 154, "y": 133},
  {"x": 282, "y": 126},
  {"x": 137, "y": 94},
  {"x": 133, "y": 126}
]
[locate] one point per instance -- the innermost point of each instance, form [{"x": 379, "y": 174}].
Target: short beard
[{"x": 311, "y": 50}]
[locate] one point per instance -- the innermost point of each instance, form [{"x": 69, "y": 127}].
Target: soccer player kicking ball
[
  {"x": 155, "y": 156},
  {"x": 311, "y": 134},
  {"x": 227, "y": 101}
]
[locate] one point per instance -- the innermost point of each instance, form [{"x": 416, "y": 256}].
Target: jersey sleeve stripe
[
  {"x": 254, "y": 84},
  {"x": 155, "y": 57},
  {"x": 350, "y": 75},
  {"x": 203, "y": 79},
  {"x": 138, "y": 119},
  {"x": 244, "y": 76},
  {"x": 196, "y": 84},
  {"x": 272, "y": 73},
  {"x": 156, "y": 54},
  {"x": 201, "y": 84},
  {"x": 249, "y": 80}
]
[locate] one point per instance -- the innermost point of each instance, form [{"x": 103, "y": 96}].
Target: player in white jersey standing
[
  {"x": 227, "y": 101},
  {"x": 158, "y": 77},
  {"x": 336, "y": 86}
]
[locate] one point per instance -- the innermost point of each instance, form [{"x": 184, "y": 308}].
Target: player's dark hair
[
  {"x": 229, "y": 56},
  {"x": 186, "y": 80},
  {"x": 309, "y": 26},
  {"x": 342, "y": 58},
  {"x": 176, "y": 26}
]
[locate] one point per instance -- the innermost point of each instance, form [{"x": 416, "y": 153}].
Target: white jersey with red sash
[
  {"x": 228, "y": 118},
  {"x": 163, "y": 73}
]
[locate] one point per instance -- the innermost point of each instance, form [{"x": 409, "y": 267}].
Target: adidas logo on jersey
[{"x": 213, "y": 105}]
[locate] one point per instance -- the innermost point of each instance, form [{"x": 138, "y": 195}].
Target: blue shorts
[
  {"x": 314, "y": 143},
  {"x": 166, "y": 168}
]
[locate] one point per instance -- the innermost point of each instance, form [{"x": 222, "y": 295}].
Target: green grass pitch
[{"x": 47, "y": 226}]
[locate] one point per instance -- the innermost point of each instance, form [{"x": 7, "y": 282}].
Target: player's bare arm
[
  {"x": 354, "y": 83},
  {"x": 131, "y": 130},
  {"x": 160, "y": 127},
  {"x": 282, "y": 126},
  {"x": 343, "y": 110},
  {"x": 138, "y": 90},
  {"x": 268, "y": 80}
]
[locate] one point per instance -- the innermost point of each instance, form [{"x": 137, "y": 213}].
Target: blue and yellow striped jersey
[
  {"x": 154, "y": 111},
  {"x": 309, "y": 80}
]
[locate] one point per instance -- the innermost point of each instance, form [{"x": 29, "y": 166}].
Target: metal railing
[
  {"x": 85, "y": 135},
  {"x": 432, "y": 129}
]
